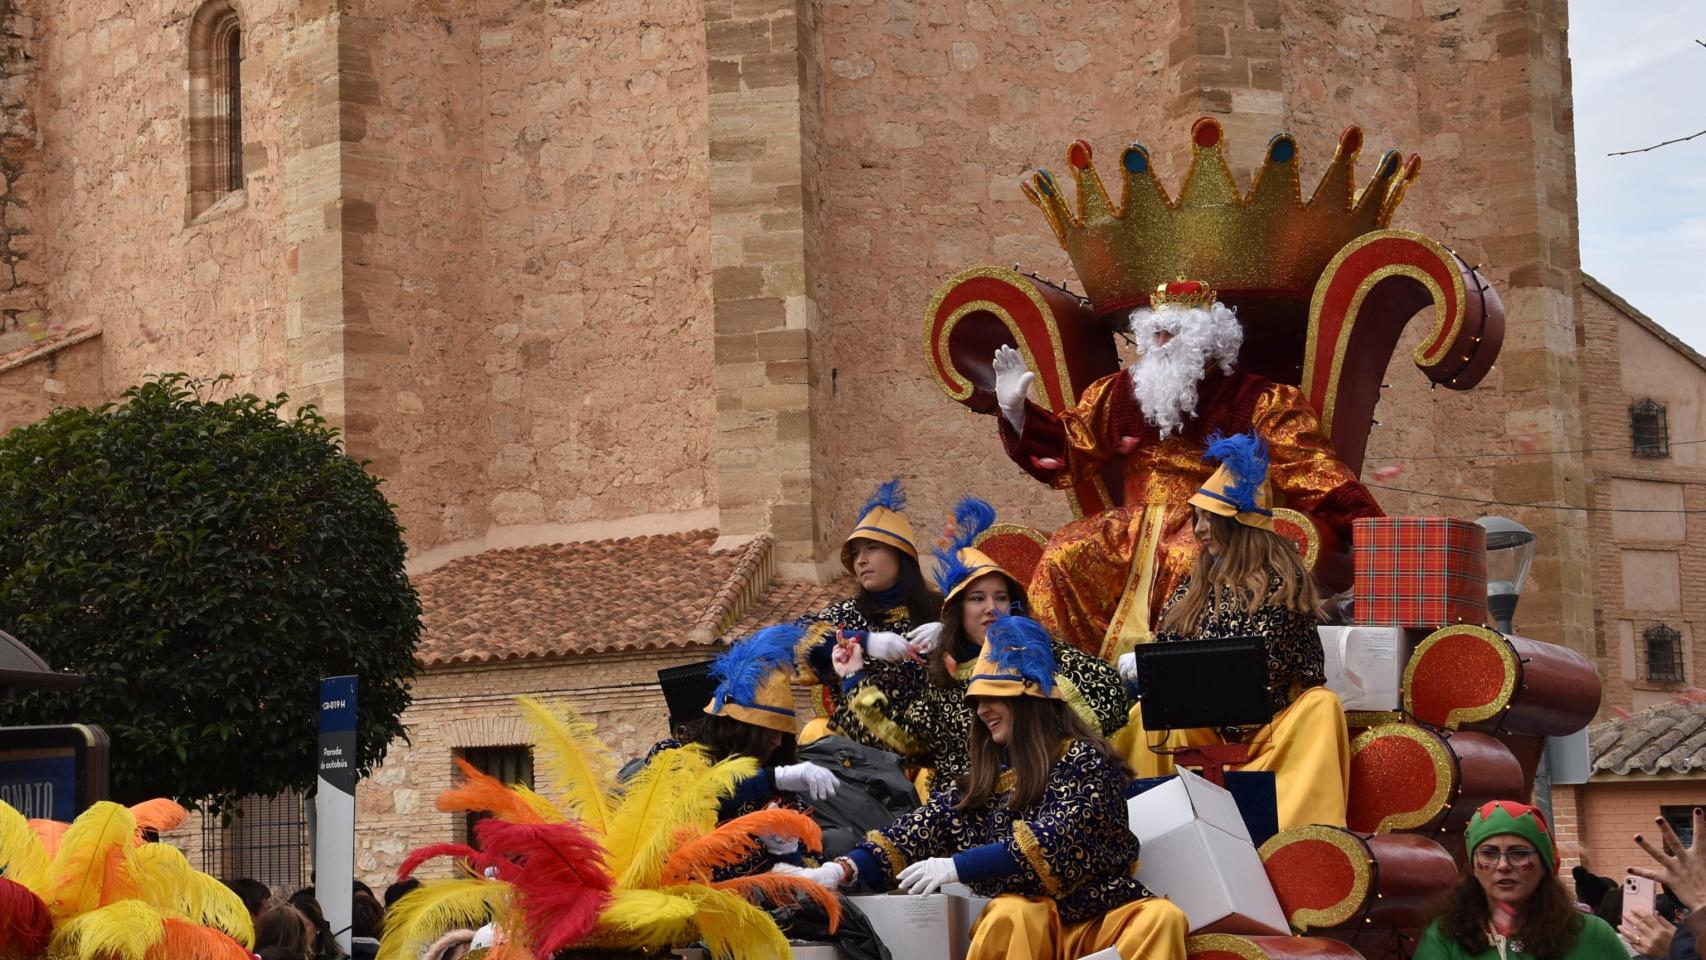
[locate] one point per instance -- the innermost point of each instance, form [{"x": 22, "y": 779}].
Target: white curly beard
[{"x": 1165, "y": 377}]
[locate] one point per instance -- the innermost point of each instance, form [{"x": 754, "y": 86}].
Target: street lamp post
[{"x": 1510, "y": 552}]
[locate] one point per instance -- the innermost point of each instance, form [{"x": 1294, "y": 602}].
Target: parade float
[{"x": 1323, "y": 286}]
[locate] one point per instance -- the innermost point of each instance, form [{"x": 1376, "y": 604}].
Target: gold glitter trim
[
  {"x": 1356, "y": 854},
  {"x": 1005, "y": 781},
  {"x": 1033, "y": 851},
  {"x": 1075, "y": 699},
  {"x": 1134, "y": 603},
  {"x": 1311, "y": 536},
  {"x": 1475, "y": 713},
  {"x": 1359, "y": 719},
  {"x": 1444, "y": 769},
  {"x": 814, "y": 635},
  {"x": 1005, "y": 529},
  {"x": 1224, "y": 943},
  {"x": 896, "y": 859},
  {"x": 1445, "y": 327},
  {"x": 870, "y": 704}
]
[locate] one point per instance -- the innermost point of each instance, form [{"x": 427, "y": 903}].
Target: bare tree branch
[{"x": 1625, "y": 153}]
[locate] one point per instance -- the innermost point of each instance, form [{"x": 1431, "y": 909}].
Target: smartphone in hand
[{"x": 1639, "y": 895}]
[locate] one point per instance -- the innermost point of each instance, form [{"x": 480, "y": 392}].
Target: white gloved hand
[
  {"x": 927, "y": 876},
  {"x": 924, "y": 639},
  {"x": 888, "y": 646},
  {"x": 829, "y": 875},
  {"x": 807, "y": 778},
  {"x": 779, "y": 846},
  {"x": 1012, "y": 381},
  {"x": 1127, "y": 667}
]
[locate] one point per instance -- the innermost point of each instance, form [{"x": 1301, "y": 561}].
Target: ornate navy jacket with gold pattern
[{"x": 1072, "y": 845}]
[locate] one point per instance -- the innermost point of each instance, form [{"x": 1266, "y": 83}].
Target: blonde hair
[{"x": 1250, "y": 558}]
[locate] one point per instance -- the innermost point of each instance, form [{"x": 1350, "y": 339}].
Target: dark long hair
[
  {"x": 921, "y": 602},
  {"x": 1547, "y": 928},
  {"x": 1038, "y": 728},
  {"x": 726, "y": 737},
  {"x": 954, "y": 639}
]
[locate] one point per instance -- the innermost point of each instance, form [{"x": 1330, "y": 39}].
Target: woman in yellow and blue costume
[
  {"x": 1249, "y": 581},
  {"x": 1038, "y": 823},
  {"x": 751, "y": 714},
  {"x": 893, "y": 599},
  {"x": 976, "y": 592}
]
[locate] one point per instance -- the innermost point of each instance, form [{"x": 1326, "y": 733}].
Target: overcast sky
[{"x": 1640, "y": 78}]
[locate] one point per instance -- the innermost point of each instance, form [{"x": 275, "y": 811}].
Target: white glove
[
  {"x": 807, "y": 778},
  {"x": 829, "y": 875},
  {"x": 1128, "y": 667},
  {"x": 1012, "y": 381},
  {"x": 888, "y": 646},
  {"x": 778, "y": 846},
  {"x": 925, "y": 638},
  {"x": 927, "y": 876}
]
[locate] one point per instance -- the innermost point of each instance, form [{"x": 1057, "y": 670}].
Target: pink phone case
[{"x": 1639, "y": 893}]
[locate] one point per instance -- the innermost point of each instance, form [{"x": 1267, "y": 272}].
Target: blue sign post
[{"x": 334, "y": 806}]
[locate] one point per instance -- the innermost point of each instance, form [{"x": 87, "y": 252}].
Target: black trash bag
[
  {"x": 855, "y": 937},
  {"x": 874, "y": 792}
]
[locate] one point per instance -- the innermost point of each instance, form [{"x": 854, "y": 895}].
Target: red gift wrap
[{"x": 1424, "y": 572}]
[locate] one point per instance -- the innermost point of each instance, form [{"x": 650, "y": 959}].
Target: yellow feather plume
[
  {"x": 94, "y": 865},
  {"x": 425, "y": 914},
  {"x": 646, "y": 920},
  {"x": 166, "y": 880},
  {"x": 691, "y": 800},
  {"x": 22, "y": 857},
  {"x": 731, "y": 927},
  {"x": 575, "y": 762},
  {"x": 548, "y": 811},
  {"x": 121, "y": 930}
]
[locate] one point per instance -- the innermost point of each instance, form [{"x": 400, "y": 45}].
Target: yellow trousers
[
  {"x": 1306, "y": 746},
  {"x": 1023, "y": 928}
]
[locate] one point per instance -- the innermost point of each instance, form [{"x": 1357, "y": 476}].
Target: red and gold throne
[{"x": 1323, "y": 285}]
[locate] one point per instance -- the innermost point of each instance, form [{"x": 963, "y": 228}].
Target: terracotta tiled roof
[
  {"x": 788, "y": 600},
  {"x": 1668, "y": 738},
  {"x": 564, "y": 599}
]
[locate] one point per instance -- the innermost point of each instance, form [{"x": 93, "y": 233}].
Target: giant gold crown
[{"x": 1271, "y": 242}]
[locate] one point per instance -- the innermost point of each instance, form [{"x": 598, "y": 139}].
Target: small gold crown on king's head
[
  {"x": 1270, "y": 242},
  {"x": 1182, "y": 293}
]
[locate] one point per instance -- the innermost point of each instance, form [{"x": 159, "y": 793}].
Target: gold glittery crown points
[
  {"x": 1182, "y": 293},
  {"x": 1270, "y": 241}
]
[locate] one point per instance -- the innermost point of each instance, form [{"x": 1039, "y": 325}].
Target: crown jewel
[
  {"x": 1182, "y": 293},
  {"x": 1271, "y": 241}
]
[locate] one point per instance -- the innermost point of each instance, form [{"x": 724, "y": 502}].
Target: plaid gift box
[{"x": 1424, "y": 572}]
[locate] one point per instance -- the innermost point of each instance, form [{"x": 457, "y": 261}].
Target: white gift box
[
  {"x": 1197, "y": 853},
  {"x": 1365, "y": 665},
  {"x": 936, "y": 927}
]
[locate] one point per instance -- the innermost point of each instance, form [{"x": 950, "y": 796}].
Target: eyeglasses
[{"x": 1517, "y": 857}]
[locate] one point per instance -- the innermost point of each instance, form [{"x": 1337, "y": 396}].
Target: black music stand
[{"x": 1205, "y": 683}]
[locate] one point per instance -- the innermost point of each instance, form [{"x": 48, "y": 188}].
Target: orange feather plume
[
  {"x": 49, "y": 832},
  {"x": 187, "y": 941},
  {"x": 160, "y": 815},
  {"x": 781, "y": 890},
  {"x": 733, "y": 841},
  {"x": 486, "y": 794}
]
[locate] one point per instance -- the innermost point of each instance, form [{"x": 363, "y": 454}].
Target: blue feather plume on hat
[
  {"x": 889, "y": 496},
  {"x": 971, "y": 517},
  {"x": 1021, "y": 645},
  {"x": 741, "y": 669},
  {"x": 1247, "y": 457}
]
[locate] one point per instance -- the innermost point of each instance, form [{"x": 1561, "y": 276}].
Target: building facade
[{"x": 568, "y": 273}]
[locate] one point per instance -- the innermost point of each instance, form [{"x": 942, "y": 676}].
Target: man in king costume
[{"x": 1103, "y": 578}]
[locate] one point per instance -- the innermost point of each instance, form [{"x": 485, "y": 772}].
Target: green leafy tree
[{"x": 204, "y": 564}]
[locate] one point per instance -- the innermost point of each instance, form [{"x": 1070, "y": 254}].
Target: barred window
[
  {"x": 1649, "y": 429},
  {"x": 1664, "y": 655},
  {"x": 1681, "y": 819},
  {"x": 215, "y": 114},
  {"x": 507, "y": 765}
]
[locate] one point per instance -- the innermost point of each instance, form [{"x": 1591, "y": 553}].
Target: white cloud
[{"x": 1639, "y": 76}]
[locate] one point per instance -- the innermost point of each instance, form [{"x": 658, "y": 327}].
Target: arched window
[{"x": 215, "y": 117}]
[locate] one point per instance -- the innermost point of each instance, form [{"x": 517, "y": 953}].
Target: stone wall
[
  {"x": 64, "y": 373},
  {"x": 1647, "y": 569},
  {"x": 108, "y": 246}
]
